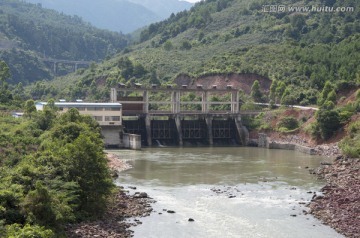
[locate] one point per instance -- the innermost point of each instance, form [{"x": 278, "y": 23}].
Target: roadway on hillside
[{"x": 292, "y": 106}]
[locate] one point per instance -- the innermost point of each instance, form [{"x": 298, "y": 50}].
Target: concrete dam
[{"x": 182, "y": 116}]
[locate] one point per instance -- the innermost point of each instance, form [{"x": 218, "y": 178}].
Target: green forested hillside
[
  {"x": 301, "y": 49},
  {"x": 28, "y": 33}
]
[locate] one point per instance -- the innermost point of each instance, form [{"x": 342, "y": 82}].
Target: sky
[{"x": 192, "y": 1}]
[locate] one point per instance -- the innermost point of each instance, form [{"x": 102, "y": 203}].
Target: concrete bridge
[
  {"x": 176, "y": 120},
  {"x": 56, "y": 62}
]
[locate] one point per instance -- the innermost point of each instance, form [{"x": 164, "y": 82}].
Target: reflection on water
[{"x": 265, "y": 187}]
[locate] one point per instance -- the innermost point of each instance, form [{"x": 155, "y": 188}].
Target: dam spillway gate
[{"x": 183, "y": 116}]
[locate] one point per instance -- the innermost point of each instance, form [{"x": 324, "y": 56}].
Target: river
[{"x": 229, "y": 192}]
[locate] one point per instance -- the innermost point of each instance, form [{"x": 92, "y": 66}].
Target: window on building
[
  {"x": 98, "y": 118},
  {"x": 80, "y": 108},
  {"x": 94, "y": 109},
  {"x": 113, "y": 109},
  {"x": 116, "y": 118},
  {"x": 112, "y": 118}
]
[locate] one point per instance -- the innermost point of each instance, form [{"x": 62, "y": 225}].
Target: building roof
[{"x": 82, "y": 104}]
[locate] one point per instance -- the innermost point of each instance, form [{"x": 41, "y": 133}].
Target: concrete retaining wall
[
  {"x": 281, "y": 146},
  {"x": 265, "y": 142},
  {"x": 305, "y": 149}
]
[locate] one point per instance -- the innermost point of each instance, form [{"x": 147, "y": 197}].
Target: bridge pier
[
  {"x": 242, "y": 132},
  {"x": 179, "y": 129},
  {"x": 55, "y": 64},
  {"x": 209, "y": 120},
  {"x": 55, "y": 68},
  {"x": 148, "y": 130}
]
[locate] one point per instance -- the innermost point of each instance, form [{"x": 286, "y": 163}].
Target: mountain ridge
[
  {"x": 116, "y": 15},
  {"x": 30, "y": 33}
]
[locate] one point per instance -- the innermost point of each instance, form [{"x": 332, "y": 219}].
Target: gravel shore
[{"x": 339, "y": 204}]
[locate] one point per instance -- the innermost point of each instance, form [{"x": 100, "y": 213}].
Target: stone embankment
[{"x": 339, "y": 204}]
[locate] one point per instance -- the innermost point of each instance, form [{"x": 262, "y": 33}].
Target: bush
[
  {"x": 344, "y": 116},
  {"x": 350, "y": 145},
  {"x": 357, "y": 95},
  {"x": 28, "y": 231},
  {"x": 287, "y": 124}
]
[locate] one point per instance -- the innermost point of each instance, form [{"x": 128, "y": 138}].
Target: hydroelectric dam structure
[{"x": 180, "y": 116}]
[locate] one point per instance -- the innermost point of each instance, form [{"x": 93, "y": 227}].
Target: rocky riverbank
[
  {"x": 339, "y": 204},
  {"x": 116, "y": 222},
  {"x": 116, "y": 165},
  {"x": 122, "y": 213}
]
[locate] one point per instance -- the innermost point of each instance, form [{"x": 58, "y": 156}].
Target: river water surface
[{"x": 229, "y": 192}]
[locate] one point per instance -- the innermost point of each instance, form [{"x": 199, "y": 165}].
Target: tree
[
  {"x": 331, "y": 97},
  {"x": 324, "y": 93},
  {"x": 185, "y": 45},
  {"x": 78, "y": 142},
  {"x": 328, "y": 122},
  {"x": 256, "y": 93},
  {"x": 280, "y": 89},
  {"x": 4, "y": 71},
  {"x": 272, "y": 95},
  {"x": 168, "y": 45},
  {"x": 153, "y": 77},
  {"x": 38, "y": 204},
  {"x": 5, "y": 94},
  {"x": 29, "y": 108},
  {"x": 288, "y": 97},
  {"x": 139, "y": 70}
]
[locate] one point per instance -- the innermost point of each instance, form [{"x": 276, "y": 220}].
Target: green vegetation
[
  {"x": 30, "y": 32},
  {"x": 256, "y": 93},
  {"x": 350, "y": 145},
  {"x": 287, "y": 124},
  {"x": 301, "y": 52},
  {"x": 328, "y": 122},
  {"x": 53, "y": 172}
]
